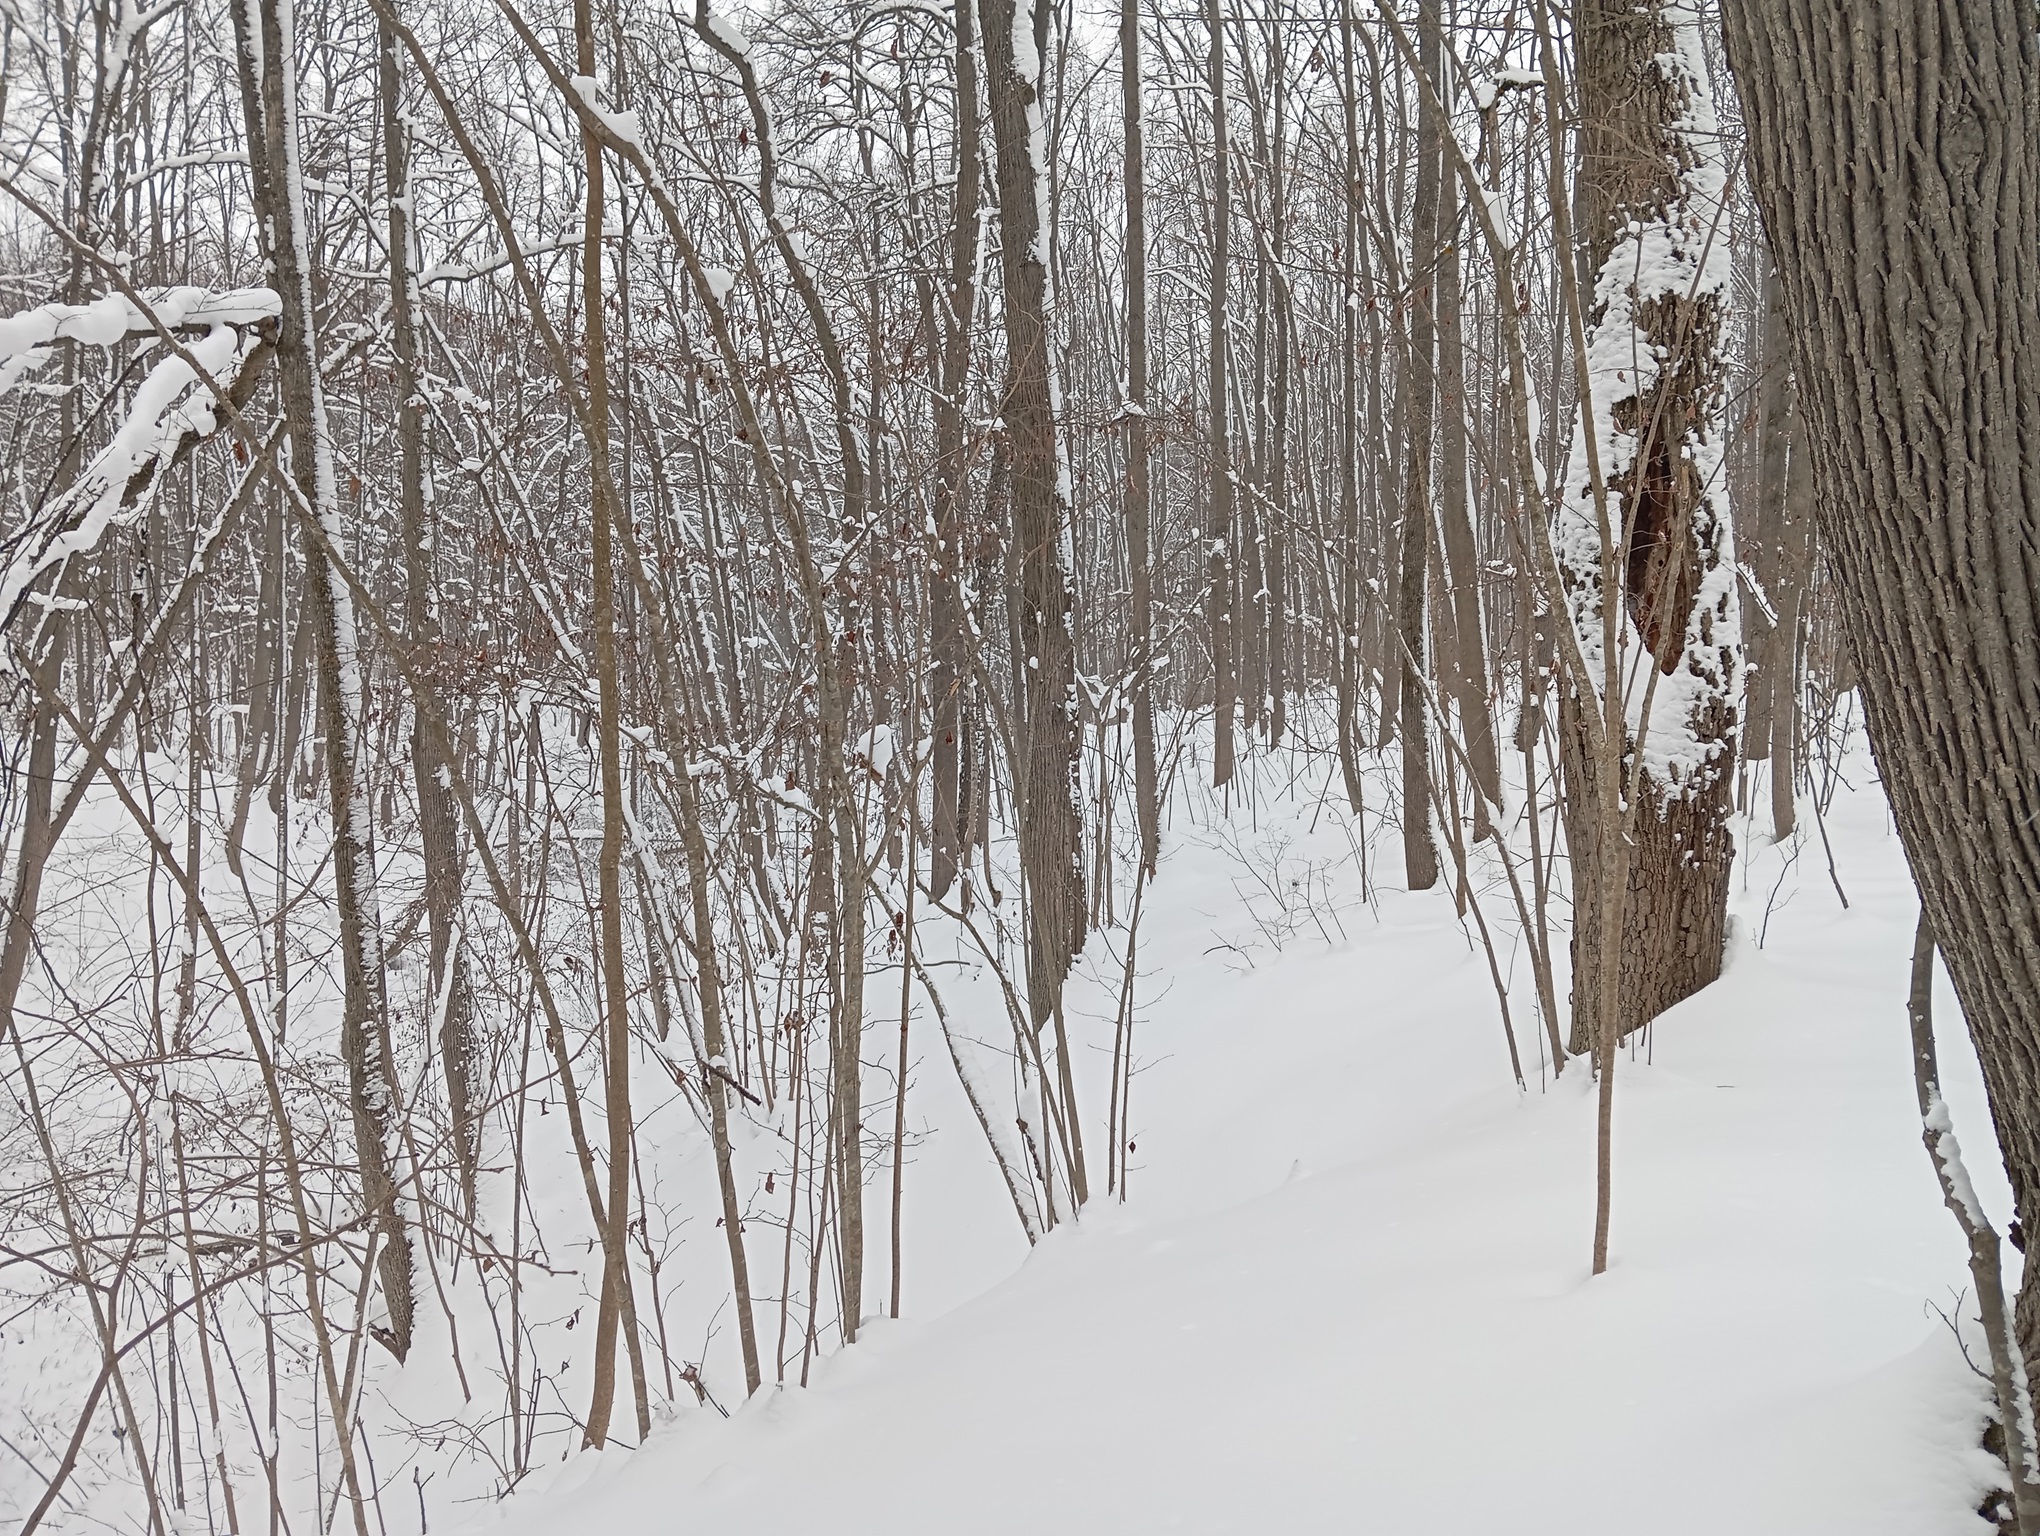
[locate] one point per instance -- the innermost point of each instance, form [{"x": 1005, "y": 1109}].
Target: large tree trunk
[
  {"x": 1651, "y": 187},
  {"x": 1895, "y": 151}
]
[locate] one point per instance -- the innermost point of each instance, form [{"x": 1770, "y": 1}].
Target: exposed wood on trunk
[{"x": 1674, "y": 616}]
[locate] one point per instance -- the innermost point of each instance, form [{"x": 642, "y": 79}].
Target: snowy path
[{"x": 1350, "y": 1293}]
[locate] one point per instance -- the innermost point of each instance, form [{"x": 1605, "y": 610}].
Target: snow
[
  {"x": 622, "y": 126},
  {"x": 729, "y": 36},
  {"x": 1684, "y": 254},
  {"x": 784, "y": 793},
  {"x": 875, "y": 748},
  {"x": 1350, "y": 1288},
  {"x": 1027, "y": 68},
  {"x": 21, "y": 365},
  {"x": 1487, "y": 88},
  {"x": 170, "y": 402},
  {"x": 105, "y": 322},
  {"x": 1941, "y": 1126}
]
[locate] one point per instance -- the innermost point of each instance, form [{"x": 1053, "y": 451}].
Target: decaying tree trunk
[
  {"x": 1652, "y": 183},
  {"x": 1895, "y": 152}
]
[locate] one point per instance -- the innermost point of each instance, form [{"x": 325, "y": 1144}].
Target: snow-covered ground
[{"x": 1350, "y": 1289}]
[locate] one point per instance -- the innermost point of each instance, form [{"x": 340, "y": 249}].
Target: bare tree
[
  {"x": 950, "y": 639},
  {"x": 1139, "y": 492},
  {"x": 1414, "y": 518},
  {"x": 449, "y": 996},
  {"x": 615, "y": 1310},
  {"x": 1220, "y": 581},
  {"x": 266, "y": 39},
  {"x": 700, "y": 505},
  {"x": 1016, "y": 42}
]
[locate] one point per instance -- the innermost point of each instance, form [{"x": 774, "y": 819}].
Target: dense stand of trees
[{"x": 542, "y": 543}]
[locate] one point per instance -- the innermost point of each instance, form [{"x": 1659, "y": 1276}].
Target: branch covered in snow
[
  {"x": 174, "y": 402},
  {"x": 108, "y": 321}
]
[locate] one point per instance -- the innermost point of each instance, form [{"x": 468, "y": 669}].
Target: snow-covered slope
[{"x": 1350, "y": 1289}]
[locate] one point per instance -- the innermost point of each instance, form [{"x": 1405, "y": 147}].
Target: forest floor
[{"x": 1349, "y": 1289}]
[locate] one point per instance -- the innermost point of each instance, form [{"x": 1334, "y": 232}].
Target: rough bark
[
  {"x": 1895, "y": 153},
  {"x": 1642, "y": 165}
]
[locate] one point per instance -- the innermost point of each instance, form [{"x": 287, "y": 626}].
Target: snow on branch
[
  {"x": 175, "y": 401},
  {"x": 108, "y": 321}
]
